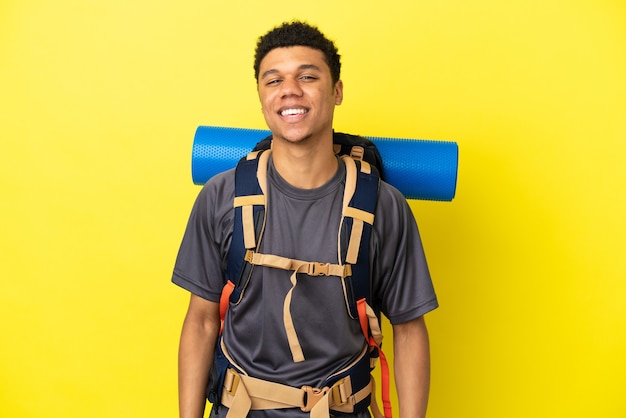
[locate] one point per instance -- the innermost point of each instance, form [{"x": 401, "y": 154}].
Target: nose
[{"x": 290, "y": 87}]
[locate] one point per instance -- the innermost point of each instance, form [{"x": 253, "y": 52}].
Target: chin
[{"x": 293, "y": 138}]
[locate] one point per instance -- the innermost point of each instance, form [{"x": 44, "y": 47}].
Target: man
[{"x": 298, "y": 76}]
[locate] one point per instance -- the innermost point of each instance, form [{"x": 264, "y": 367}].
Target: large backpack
[{"x": 363, "y": 172}]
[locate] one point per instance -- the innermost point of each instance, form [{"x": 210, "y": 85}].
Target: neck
[{"x": 307, "y": 164}]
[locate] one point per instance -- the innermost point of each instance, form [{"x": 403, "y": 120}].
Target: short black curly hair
[{"x": 298, "y": 33}]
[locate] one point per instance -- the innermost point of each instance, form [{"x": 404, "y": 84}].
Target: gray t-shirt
[{"x": 302, "y": 224}]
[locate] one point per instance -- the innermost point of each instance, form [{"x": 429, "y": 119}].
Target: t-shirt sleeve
[
  {"x": 402, "y": 286},
  {"x": 202, "y": 256}
]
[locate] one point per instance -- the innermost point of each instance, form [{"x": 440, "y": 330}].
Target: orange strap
[
  {"x": 384, "y": 380},
  {"x": 361, "y": 306},
  {"x": 225, "y": 300}
]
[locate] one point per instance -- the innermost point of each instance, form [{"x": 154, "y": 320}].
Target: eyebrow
[{"x": 300, "y": 68}]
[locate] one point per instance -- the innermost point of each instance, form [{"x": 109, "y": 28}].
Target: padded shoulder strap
[
  {"x": 360, "y": 199},
  {"x": 249, "y": 220}
]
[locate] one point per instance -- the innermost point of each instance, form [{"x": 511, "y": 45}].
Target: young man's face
[{"x": 297, "y": 93}]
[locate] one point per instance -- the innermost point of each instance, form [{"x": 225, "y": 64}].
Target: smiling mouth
[{"x": 293, "y": 112}]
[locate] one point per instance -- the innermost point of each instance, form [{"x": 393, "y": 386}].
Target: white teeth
[{"x": 291, "y": 112}]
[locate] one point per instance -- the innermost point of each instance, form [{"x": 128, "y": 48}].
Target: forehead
[{"x": 286, "y": 58}]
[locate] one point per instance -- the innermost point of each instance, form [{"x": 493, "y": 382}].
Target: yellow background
[{"x": 99, "y": 103}]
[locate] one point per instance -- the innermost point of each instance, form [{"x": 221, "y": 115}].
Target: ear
[{"x": 339, "y": 92}]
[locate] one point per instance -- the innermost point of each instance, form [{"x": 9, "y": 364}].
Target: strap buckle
[
  {"x": 311, "y": 397},
  {"x": 319, "y": 269}
]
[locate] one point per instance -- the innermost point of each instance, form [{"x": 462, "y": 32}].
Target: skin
[
  {"x": 412, "y": 367},
  {"x": 297, "y": 79},
  {"x": 195, "y": 355}
]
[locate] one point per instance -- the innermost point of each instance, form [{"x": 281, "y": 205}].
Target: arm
[
  {"x": 195, "y": 355},
  {"x": 412, "y": 367}
]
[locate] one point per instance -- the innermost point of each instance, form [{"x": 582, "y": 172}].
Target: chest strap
[{"x": 311, "y": 268}]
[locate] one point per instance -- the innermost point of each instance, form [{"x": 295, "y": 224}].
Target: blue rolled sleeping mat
[{"x": 419, "y": 169}]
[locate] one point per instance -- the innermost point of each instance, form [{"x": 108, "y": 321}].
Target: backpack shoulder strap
[
  {"x": 360, "y": 200},
  {"x": 359, "y": 206},
  {"x": 249, "y": 219}
]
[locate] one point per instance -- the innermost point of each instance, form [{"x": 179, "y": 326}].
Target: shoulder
[
  {"x": 218, "y": 188},
  {"x": 221, "y": 184},
  {"x": 390, "y": 201},
  {"x": 393, "y": 217},
  {"x": 214, "y": 202},
  {"x": 388, "y": 191}
]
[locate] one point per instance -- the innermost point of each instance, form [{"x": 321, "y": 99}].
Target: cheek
[{"x": 265, "y": 100}]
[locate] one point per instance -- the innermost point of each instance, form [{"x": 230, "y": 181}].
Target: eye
[
  {"x": 273, "y": 82},
  {"x": 307, "y": 77}
]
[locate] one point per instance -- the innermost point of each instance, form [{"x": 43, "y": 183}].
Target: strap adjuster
[
  {"x": 357, "y": 152},
  {"x": 341, "y": 392},
  {"x": 231, "y": 382}
]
